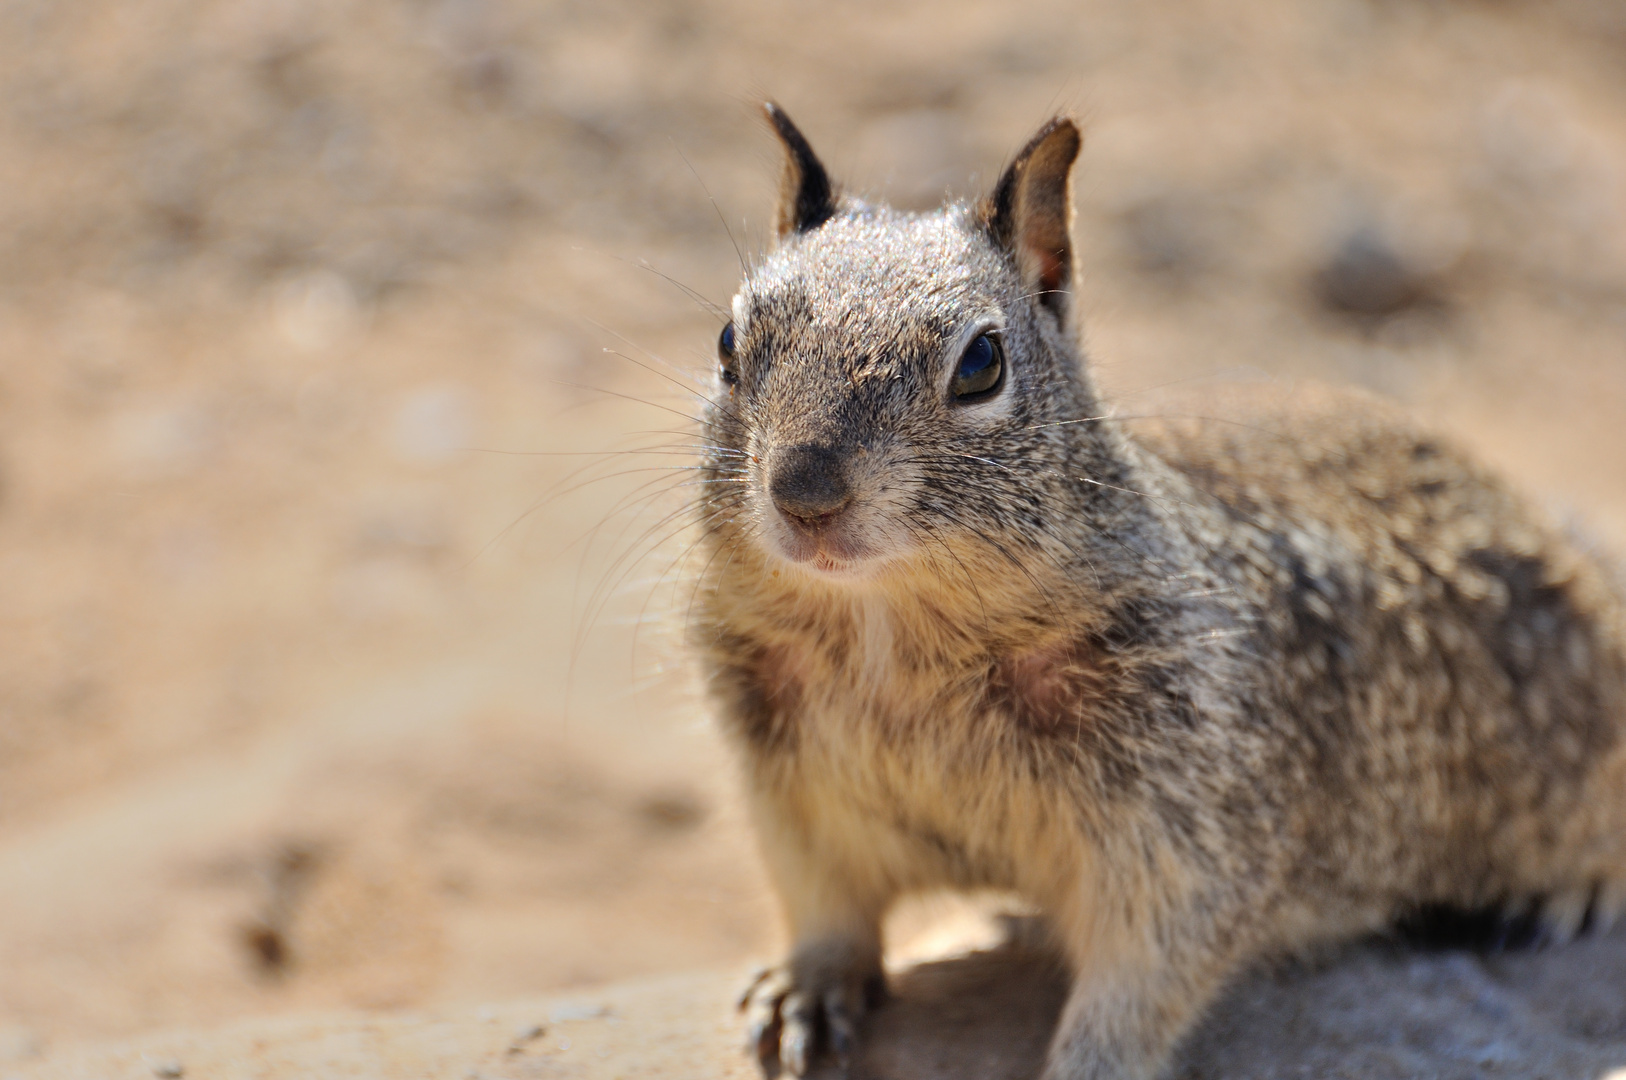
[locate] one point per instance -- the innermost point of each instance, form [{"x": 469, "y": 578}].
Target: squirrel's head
[{"x": 897, "y": 387}]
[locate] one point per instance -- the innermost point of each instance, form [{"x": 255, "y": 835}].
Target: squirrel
[{"x": 1205, "y": 694}]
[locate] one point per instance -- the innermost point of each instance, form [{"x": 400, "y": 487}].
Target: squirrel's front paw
[{"x": 807, "y": 1005}]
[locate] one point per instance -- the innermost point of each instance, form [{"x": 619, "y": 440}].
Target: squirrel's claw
[
  {"x": 798, "y": 1040},
  {"x": 790, "y": 1026}
]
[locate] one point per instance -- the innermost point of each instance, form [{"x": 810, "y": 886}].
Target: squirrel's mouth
[
  {"x": 824, "y": 563},
  {"x": 833, "y": 545},
  {"x": 824, "y": 543}
]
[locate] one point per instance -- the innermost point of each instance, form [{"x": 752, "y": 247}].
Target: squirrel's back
[{"x": 1455, "y": 663}]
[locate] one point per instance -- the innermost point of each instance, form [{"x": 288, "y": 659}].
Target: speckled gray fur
[{"x": 1203, "y": 693}]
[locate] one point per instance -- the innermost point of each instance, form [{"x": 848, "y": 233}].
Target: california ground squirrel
[{"x": 1203, "y": 694}]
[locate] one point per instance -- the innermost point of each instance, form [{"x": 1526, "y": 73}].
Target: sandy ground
[
  {"x": 1372, "y": 1011},
  {"x": 338, "y": 588}
]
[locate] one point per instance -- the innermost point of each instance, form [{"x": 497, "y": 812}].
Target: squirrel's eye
[
  {"x": 725, "y": 355},
  {"x": 981, "y": 370}
]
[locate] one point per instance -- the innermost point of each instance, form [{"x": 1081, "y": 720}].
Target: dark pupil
[
  {"x": 725, "y": 354},
  {"x": 979, "y": 368}
]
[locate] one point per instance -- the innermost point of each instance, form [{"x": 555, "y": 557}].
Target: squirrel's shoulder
[
  {"x": 1309, "y": 453},
  {"x": 1350, "y": 478}
]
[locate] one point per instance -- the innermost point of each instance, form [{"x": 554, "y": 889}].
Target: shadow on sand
[{"x": 1374, "y": 1010}]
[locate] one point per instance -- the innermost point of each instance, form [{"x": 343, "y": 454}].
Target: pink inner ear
[
  {"x": 1045, "y": 250},
  {"x": 1052, "y": 269}
]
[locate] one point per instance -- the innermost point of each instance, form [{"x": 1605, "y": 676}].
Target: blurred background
[{"x": 340, "y": 606}]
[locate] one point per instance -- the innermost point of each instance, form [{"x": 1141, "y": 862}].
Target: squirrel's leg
[
  {"x": 1137, "y": 989},
  {"x": 815, "y": 999}
]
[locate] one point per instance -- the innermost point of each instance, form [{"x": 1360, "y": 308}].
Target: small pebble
[
  {"x": 525, "y": 1033},
  {"x": 1367, "y": 276},
  {"x": 168, "y": 1069},
  {"x": 677, "y": 811},
  {"x": 577, "y": 1010}
]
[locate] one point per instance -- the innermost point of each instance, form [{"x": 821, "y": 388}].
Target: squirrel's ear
[
  {"x": 1029, "y": 213},
  {"x": 806, "y": 197}
]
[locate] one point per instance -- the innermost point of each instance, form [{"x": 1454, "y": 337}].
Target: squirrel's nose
[{"x": 808, "y": 483}]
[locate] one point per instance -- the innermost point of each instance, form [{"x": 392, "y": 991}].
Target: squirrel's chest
[
  {"x": 920, "y": 774},
  {"x": 935, "y": 766},
  {"x": 867, "y": 687},
  {"x": 838, "y": 696},
  {"x": 876, "y": 686}
]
